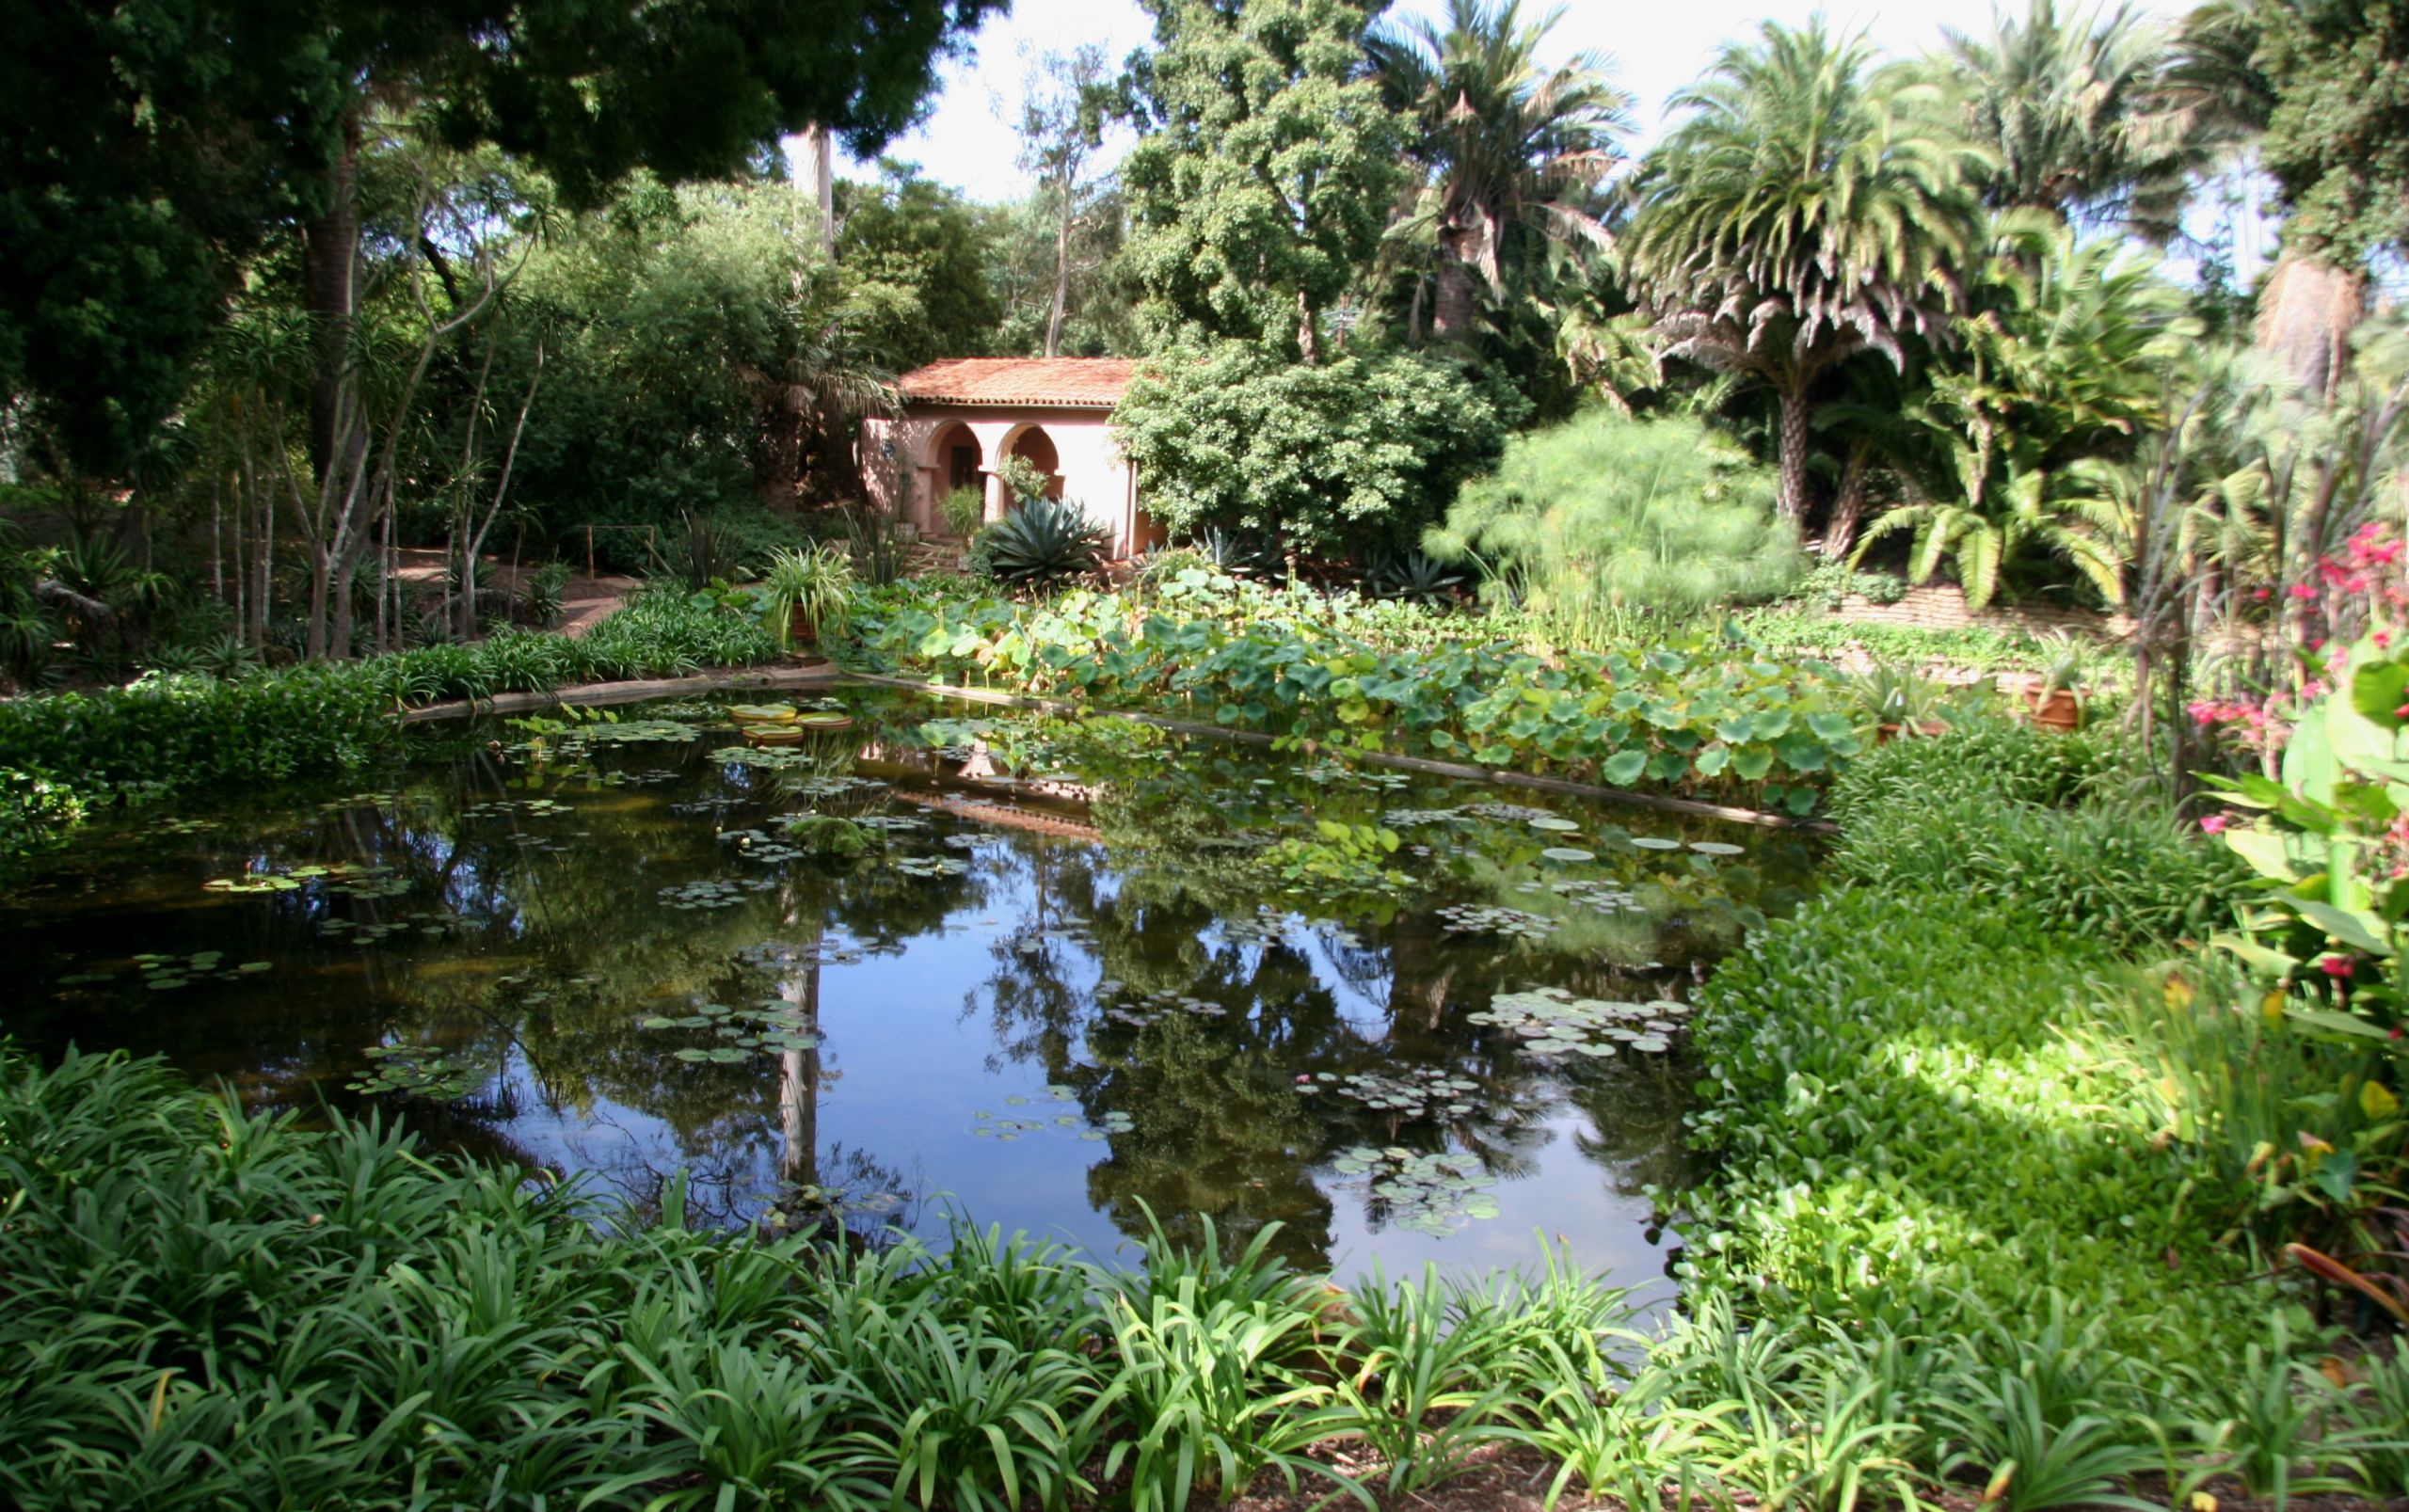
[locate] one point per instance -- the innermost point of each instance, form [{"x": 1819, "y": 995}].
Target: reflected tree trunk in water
[{"x": 799, "y": 1081}]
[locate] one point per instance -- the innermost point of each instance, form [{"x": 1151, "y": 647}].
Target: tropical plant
[
  {"x": 1513, "y": 152},
  {"x": 963, "y": 509},
  {"x": 1811, "y": 206},
  {"x": 2081, "y": 117},
  {"x": 808, "y": 592},
  {"x": 1604, "y": 519},
  {"x": 1040, "y": 543},
  {"x": 2058, "y": 362}
]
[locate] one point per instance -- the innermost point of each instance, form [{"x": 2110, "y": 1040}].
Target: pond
[{"x": 1056, "y": 975}]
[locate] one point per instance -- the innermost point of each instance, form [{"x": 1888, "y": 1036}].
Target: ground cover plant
[
  {"x": 62, "y": 754},
  {"x": 212, "y": 1306}
]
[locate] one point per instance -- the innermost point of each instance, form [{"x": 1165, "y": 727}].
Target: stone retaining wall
[{"x": 1942, "y": 607}]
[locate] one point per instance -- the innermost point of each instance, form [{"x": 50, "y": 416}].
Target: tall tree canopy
[
  {"x": 1265, "y": 184},
  {"x": 1811, "y": 206},
  {"x": 145, "y": 148},
  {"x": 2082, "y": 117},
  {"x": 1514, "y": 151}
]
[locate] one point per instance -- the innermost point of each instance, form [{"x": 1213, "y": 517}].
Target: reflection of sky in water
[{"x": 921, "y": 1031}]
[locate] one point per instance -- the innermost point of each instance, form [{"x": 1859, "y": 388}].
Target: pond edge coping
[
  {"x": 1378, "y": 758},
  {"x": 627, "y": 692}
]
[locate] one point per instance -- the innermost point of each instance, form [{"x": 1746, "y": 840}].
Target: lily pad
[{"x": 1570, "y": 854}]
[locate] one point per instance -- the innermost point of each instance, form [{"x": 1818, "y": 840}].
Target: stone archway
[{"x": 955, "y": 459}]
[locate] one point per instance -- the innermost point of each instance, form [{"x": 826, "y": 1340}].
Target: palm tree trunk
[
  {"x": 1849, "y": 505},
  {"x": 1790, "y": 502},
  {"x": 1453, "y": 310}
]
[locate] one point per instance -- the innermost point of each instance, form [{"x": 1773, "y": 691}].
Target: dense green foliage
[
  {"x": 1605, "y": 516},
  {"x": 212, "y": 1306},
  {"x": 1353, "y": 456},
  {"x": 62, "y": 753},
  {"x": 1705, "y": 716}
]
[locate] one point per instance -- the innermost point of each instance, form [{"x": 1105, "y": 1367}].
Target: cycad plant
[
  {"x": 2058, "y": 362},
  {"x": 1811, "y": 207}
]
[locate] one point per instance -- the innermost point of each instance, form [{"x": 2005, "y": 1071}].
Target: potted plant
[
  {"x": 1901, "y": 702},
  {"x": 2055, "y": 697},
  {"x": 807, "y": 593}
]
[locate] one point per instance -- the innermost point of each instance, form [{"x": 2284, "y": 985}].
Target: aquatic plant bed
[
  {"x": 1061, "y": 972},
  {"x": 1710, "y": 720}
]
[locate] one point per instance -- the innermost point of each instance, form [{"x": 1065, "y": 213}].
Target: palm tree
[
  {"x": 1812, "y": 206},
  {"x": 2084, "y": 117},
  {"x": 2060, "y": 363},
  {"x": 1512, "y": 152}
]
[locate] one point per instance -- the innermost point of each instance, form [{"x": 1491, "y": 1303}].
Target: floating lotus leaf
[
  {"x": 1569, "y": 853},
  {"x": 1555, "y": 826},
  {"x": 1655, "y": 842},
  {"x": 764, "y": 713}
]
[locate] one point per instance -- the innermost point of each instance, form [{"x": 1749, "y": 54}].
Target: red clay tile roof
[{"x": 1047, "y": 382}]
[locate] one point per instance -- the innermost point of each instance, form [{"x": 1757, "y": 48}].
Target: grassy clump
[{"x": 210, "y": 1308}]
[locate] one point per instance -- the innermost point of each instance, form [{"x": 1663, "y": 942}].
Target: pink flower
[
  {"x": 2216, "y": 823},
  {"x": 2334, "y": 965},
  {"x": 2383, "y": 640},
  {"x": 2303, "y": 591}
]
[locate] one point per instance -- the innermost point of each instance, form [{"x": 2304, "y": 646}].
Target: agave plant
[
  {"x": 1415, "y": 576},
  {"x": 1043, "y": 541}
]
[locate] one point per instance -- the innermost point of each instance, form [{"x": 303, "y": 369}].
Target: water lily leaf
[{"x": 1569, "y": 853}]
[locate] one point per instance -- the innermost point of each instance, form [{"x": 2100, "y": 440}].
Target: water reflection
[{"x": 1061, "y": 982}]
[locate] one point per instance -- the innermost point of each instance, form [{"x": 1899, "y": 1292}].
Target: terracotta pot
[
  {"x": 2057, "y": 709},
  {"x": 801, "y": 630},
  {"x": 1924, "y": 728}
]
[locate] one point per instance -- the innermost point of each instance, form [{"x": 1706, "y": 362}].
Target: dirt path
[{"x": 585, "y": 602}]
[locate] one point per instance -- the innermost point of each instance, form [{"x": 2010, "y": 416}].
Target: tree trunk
[
  {"x": 1061, "y": 271},
  {"x": 330, "y": 289},
  {"x": 2306, "y": 315},
  {"x": 1790, "y": 502},
  {"x": 1849, "y": 505},
  {"x": 819, "y": 154},
  {"x": 1454, "y": 309}
]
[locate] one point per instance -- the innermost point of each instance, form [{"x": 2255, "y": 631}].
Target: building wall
[{"x": 905, "y": 463}]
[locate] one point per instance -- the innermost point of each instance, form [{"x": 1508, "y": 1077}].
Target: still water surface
[{"x": 1066, "y": 983}]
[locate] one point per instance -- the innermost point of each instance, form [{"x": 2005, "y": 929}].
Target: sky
[{"x": 1656, "y": 47}]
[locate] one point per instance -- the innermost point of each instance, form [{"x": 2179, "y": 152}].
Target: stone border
[{"x": 630, "y": 692}]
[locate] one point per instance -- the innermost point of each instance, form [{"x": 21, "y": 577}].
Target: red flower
[
  {"x": 2215, "y": 823},
  {"x": 2334, "y": 965}
]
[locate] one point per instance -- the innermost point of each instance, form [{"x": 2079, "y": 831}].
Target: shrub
[
  {"x": 1346, "y": 457},
  {"x": 1605, "y": 516},
  {"x": 963, "y": 510}
]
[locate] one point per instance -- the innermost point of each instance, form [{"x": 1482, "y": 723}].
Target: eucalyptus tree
[
  {"x": 1811, "y": 206},
  {"x": 1512, "y": 152},
  {"x": 2083, "y": 116}
]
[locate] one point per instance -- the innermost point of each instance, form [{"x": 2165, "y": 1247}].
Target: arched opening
[
  {"x": 956, "y": 452},
  {"x": 1037, "y": 449}
]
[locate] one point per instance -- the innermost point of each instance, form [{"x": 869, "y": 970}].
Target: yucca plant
[{"x": 1045, "y": 541}]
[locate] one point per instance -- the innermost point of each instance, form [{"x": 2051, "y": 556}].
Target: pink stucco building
[{"x": 962, "y": 416}]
